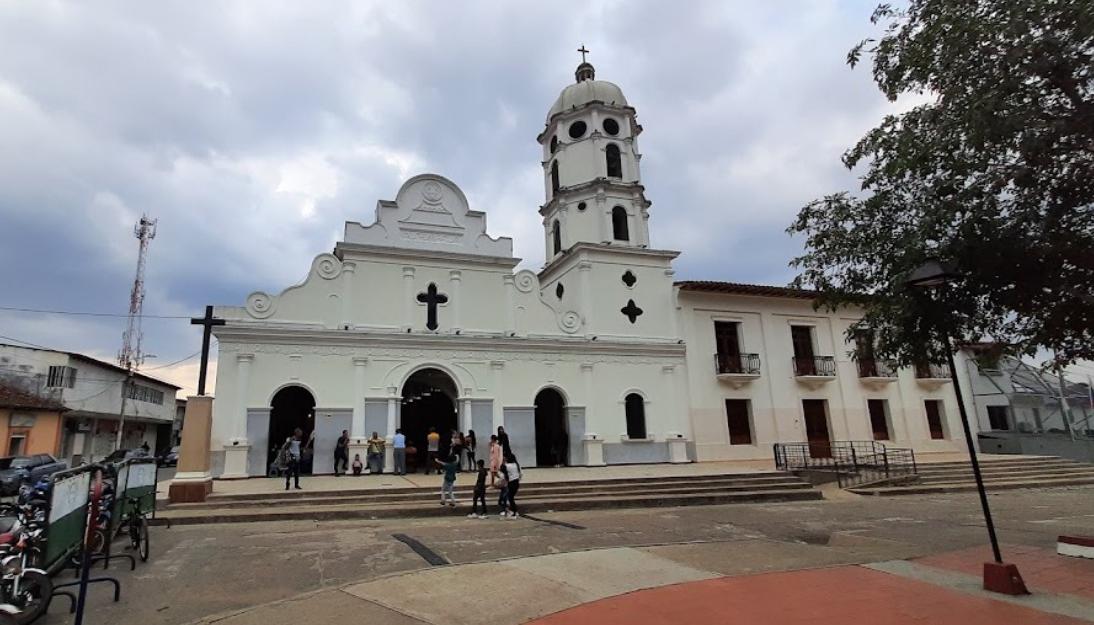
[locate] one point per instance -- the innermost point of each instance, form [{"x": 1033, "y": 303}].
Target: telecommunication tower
[{"x": 130, "y": 357}]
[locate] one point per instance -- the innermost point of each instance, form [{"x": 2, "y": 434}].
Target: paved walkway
[{"x": 675, "y": 584}]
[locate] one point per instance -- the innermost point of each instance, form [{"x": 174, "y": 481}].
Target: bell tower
[{"x": 591, "y": 172}]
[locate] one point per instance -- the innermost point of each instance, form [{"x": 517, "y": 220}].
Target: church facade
[{"x": 419, "y": 320}]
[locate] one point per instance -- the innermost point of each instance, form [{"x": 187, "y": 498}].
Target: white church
[{"x": 602, "y": 356}]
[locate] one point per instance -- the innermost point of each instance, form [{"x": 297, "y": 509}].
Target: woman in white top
[{"x": 512, "y": 468}]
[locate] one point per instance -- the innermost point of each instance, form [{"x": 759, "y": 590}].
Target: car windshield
[{"x": 14, "y": 463}]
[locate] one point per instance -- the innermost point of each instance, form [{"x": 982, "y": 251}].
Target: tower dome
[{"x": 587, "y": 89}]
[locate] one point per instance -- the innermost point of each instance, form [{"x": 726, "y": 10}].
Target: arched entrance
[
  {"x": 429, "y": 401},
  {"x": 292, "y": 407},
  {"x": 552, "y": 440}
]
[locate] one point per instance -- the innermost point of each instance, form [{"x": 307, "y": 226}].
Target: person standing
[
  {"x": 502, "y": 484},
  {"x": 512, "y": 474},
  {"x": 376, "y": 454},
  {"x": 448, "y": 486},
  {"x": 495, "y": 458},
  {"x": 469, "y": 446},
  {"x": 292, "y": 452},
  {"x": 398, "y": 445},
  {"x": 433, "y": 445},
  {"x": 480, "y": 493},
  {"x": 341, "y": 453},
  {"x": 503, "y": 439},
  {"x": 455, "y": 446}
]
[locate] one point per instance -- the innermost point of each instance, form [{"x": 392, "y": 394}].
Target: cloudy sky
[{"x": 253, "y": 130}]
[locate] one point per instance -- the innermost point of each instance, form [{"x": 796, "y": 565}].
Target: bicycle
[{"x": 135, "y": 523}]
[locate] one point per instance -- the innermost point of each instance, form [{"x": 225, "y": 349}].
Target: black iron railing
[
  {"x": 815, "y": 366},
  {"x": 854, "y": 462},
  {"x": 870, "y": 368},
  {"x": 939, "y": 371},
  {"x": 748, "y": 364}
]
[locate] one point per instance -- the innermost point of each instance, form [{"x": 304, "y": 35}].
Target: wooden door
[
  {"x": 728, "y": 345},
  {"x": 878, "y": 421},
  {"x": 934, "y": 418},
  {"x": 802, "y": 339},
  {"x": 740, "y": 428},
  {"x": 816, "y": 428}
]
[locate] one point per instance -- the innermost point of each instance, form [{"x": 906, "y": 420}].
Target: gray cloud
[{"x": 254, "y": 130}]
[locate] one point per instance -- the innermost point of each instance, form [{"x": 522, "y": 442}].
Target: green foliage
[{"x": 993, "y": 174}]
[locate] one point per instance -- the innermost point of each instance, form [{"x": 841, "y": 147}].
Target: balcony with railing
[
  {"x": 875, "y": 372},
  {"x": 933, "y": 374},
  {"x": 737, "y": 369},
  {"x": 814, "y": 370}
]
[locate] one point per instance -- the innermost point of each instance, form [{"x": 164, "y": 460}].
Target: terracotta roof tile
[
  {"x": 735, "y": 288},
  {"x": 11, "y": 397}
]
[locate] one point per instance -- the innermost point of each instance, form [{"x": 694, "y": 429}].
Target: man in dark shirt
[{"x": 480, "y": 492}]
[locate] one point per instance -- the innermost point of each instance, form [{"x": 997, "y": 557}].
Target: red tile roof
[
  {"x": 763, "y": 290},
  {"x": 11, "y": 397}
]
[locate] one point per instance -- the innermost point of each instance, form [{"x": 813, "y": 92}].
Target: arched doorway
[
  {"x": 292, "y": 407},
  {"x": 552, "y": 440},
  {"x": 429, "y": 401}
]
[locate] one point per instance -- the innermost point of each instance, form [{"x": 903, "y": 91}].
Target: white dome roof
[{"x": 585, "y": 91}]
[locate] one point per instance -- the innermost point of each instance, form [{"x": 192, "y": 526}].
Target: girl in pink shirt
[{"x": 495, "y": 458}]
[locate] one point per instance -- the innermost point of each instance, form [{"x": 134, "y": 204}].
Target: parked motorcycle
[{"x": 25, "y": 591}]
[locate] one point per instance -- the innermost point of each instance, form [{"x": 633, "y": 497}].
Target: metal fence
[{"x": 853, "y": 462}]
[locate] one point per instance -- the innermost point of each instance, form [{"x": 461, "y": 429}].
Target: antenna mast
[{"x": 130, "y": 357}]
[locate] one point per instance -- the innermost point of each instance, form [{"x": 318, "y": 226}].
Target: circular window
[
  {"x": 577, "y": 130},
  {"x": 611, "y": 126},
  {"x": 581, "y": 206},
  {"x": 559, "y": 291}
]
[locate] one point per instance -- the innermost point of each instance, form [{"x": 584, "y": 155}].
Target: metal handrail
[
  {"x": 824, "y": 366},
  {"x": 853, "y": 462},
  {"x": 873, "y": 368},
  {"x": 933, "y": 371},
  {"x": 748, "y": 364}
]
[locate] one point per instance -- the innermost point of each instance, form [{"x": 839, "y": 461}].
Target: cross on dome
[{"x": 583, "y": 52}]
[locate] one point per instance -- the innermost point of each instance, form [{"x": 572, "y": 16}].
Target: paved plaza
[{"x": 891, "y": 559}]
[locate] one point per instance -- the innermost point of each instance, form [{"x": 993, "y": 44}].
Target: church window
[
  {"x": 556, "y": 236},
  {"x": 554, "y": 177},
  {"x": 611, "y": 126},
  {"x": 635, "y": 407},
  {"x": 615, "y": 164},
  {"x": 554, "y": 144},
  {"x": 559, "y": 291},
  {"x": 629, "y": 278},
  {"x": 620, "y": 231},
  {"x": 577, "y": 129},
  {"x": 631, "y": 311},
  {"x": 581, "y": 206}
]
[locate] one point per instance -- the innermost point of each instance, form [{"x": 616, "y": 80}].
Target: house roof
[
  {"x": 11, "y": 397},
  {"x": 736, "y": 288},
  {"x": 96, "y": 361}
]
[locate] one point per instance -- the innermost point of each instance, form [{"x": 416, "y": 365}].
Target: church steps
[
  {"x": 970, "y": 485},
  {"x": 465, "y": 479},
  {"x": 1025, "y": 475},
  {"x": 528, "y": 505},
  {"x": 430, "y": 494}
]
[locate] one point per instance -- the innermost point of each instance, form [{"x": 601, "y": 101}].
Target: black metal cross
[
  {"x": 431, "y": 298},
  {"x": 208, "y": 322},
  {"x": 631, "y": 311},
  {"x": 583, "y": 52}
]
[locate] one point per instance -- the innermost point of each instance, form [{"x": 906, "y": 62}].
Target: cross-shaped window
[
  {"x": 631, "y": 311},
  {"x": 431, "y": 298}
]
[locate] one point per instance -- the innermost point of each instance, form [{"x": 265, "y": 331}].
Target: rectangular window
[
  {"x": 740, "y": 422},
  {"x": 934, "y": 418},
  {"x": 879, "y": 420},
  {"x": 16, "y": 444},
  {"x": 727, "y": 342},
  {"x": 61, "y": 377},
  {"x": 997, "y": 418},
  {"x": 802, "y": 339},
  {"x": 139, "y": 392}
]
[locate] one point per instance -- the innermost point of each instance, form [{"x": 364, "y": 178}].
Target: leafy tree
[{"x": 993, "y": 175}]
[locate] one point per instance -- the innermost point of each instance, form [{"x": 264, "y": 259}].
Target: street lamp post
[{"x": 998, "y": 576}]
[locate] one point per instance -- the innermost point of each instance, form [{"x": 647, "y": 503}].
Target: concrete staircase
[
  {"x": 386, "y": 503},
  {"x": 1000, "y": 473}
]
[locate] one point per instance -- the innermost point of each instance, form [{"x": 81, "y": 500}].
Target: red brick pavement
[
  {"x": 835, "y": 595},
  {"x": 1041, "y": 569}
]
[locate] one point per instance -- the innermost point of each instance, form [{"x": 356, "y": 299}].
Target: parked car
[
  {"x": 125, "y": 454},
  {"x": 18, "y": 470},
  {"x": 170, "y": 458}
]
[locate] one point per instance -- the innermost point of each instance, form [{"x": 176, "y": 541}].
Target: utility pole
[
  {"x": 130, "y": 357},
  {"x": 1065, "y": 411}
]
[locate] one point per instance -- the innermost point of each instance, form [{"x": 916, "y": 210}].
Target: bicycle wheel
[
  {"x": 143, "y": 543},
  {"x": 98, "y": 542}
]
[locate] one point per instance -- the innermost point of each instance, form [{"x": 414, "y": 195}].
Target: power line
[
  {"x": 12, "y": 338},
  {"x": 83, "y": 313}
]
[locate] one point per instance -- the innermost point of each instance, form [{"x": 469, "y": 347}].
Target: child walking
[
  {"x": 502, "y": 484},
  {"x": 448, "y": 486},
  {"x": 480, "y": 493}
]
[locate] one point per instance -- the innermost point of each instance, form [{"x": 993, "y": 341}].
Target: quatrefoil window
[{"x": 629, "y": 278}]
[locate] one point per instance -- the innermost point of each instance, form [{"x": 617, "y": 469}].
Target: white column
[
  {"x": 585, "y": 268},
  {"x": 389, "y": 451},
  {"x": 392, "y": 402},
  {"x": 497, "y": 368},
  {"x": 348, "y": 272},
  {"x": 454, "y": 299},
  {"x": 408, "y": 297},
  {"x": 465, "y": 415},
  {"x": 236, "y": 446},
  {"x": 677, "y": 438},
  {"x": 510, "y": 304},
  {"x": 357, "y": 426}
]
